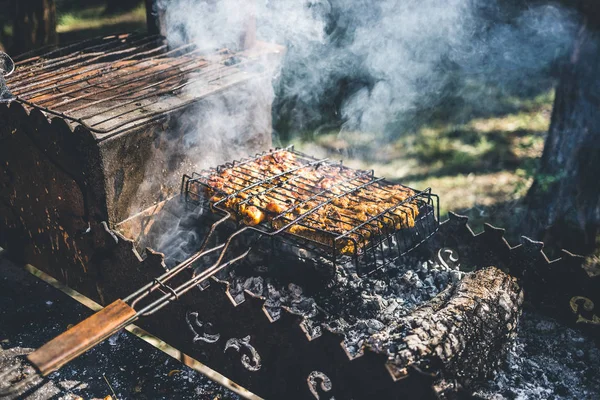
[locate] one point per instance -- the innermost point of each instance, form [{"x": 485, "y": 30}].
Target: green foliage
[
  {"x": 7, "y": 30},
  {"x": 92, "y": 16},
  {"x": 480, "y": 168}
]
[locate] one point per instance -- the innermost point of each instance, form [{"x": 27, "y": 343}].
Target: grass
[
  {"x": 481, "y": 168},
  {"x": 92, "y": 17}
]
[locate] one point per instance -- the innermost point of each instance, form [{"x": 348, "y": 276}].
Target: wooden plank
[{"x": 82, "y": 337}]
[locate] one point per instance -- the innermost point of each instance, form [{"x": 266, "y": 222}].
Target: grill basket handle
[{"x": 82, "y": 337}]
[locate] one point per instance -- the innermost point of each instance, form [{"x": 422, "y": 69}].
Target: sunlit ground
[
  {"x": 93, "y": 17},
  {"x": 84, "y": 20},
  {"x": 481, "y": 168}
]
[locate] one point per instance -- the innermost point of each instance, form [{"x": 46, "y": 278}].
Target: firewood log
[{"x": 462, "y": 333}]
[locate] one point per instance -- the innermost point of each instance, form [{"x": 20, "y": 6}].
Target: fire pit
[{"x": 380, "y": 308}]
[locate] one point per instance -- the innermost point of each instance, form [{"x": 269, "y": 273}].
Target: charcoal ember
[
  {"x": 463, "y": 332},
  {"x": 297, "y": 303},
  {"x": 354, "y": 307},
  {"x": 273, "y": 296},
  {"x": 367, "y": 305},
  {"x": 311, "y": 328},
  {"x": 338, "y": 325},
  {"x": 356, "y": 335},
  {"x": 237, "y": 296},
  {"x": 547, "y": 360},
  {"x": 274, "y": 313},
  {"x": 254, "y": 285},
  {"x": 290, "y": 297}
]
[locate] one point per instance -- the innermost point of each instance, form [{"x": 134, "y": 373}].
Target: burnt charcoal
[
  {"x": 352, "y": 306},
  {"x": 421, "y": 313},
  {"x": 463, "y": 332},
  {"x": 254, "y": 285}
]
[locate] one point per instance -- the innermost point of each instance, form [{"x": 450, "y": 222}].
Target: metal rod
[
  {"x": 120, "y": 105},
  {"x": 109, "y": 39},
  {"x": 42, "y": 81},
  {"x": 100, "y": 70},
  {"x": 147, "y": 96},
  {"x": 145, "y": 75},
  {"x": 56, "y": 76},
  {"x": 275, "y": 194},
  {"x": 129, "y": 124},
  {"x": 196, "y": 280},
  {"x": 386, "y": 211},
  {"x": 103, "y": 71},
  {"x": 171, "y": 273}
]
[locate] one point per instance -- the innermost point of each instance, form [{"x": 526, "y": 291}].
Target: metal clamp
[{"x": 166, "y": 288}]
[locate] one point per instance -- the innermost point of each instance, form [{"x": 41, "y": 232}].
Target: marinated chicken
[{"x": 326, "y": 203}]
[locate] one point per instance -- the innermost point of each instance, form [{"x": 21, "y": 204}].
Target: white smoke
[
  {"x": 393, "y": 56},
  {"x": 370, "y": 65}
]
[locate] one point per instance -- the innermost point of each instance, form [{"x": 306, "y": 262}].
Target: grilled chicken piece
[
  {"x": 328, "y": 200},
  {"x": 276, "y": 207},
  {"x": 252, "y": 215}
]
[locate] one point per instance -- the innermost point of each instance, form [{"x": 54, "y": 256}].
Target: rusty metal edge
[
  {"x": 51, "y": 116},
  {"x": 457, "y": 220},
  {"x": 147, "y": 337}
]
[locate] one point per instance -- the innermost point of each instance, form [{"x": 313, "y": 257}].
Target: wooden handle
[{"x": 80, "y": 338}]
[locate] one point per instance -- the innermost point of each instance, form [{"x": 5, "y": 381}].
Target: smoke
[
  {"x": 372, "y": 65},
  {"x": 381, "y": 63},
  {"x": 376, "y": 66}
]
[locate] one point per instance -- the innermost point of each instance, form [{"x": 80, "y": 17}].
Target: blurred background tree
[
  {"x": 30, "y": 24},
  {"x": 34, "y": 24},
  {"x": 563, "y": 202}
]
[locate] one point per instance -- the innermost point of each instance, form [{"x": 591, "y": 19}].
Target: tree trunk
[
  {"x": 152, "y": 18},
  {"x": 34, "y": 24},
  {"x": 1, "y": 33},
  {"x": 564, "y": 200}
]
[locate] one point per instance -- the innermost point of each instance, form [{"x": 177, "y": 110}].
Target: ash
[
  {"x": 547, "y": 361},
  {"x": 352, "y": 306}
]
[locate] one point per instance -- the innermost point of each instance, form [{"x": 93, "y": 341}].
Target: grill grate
[
  {"x": 375, "y": 241},
  {"x": 125, "y": 81}
]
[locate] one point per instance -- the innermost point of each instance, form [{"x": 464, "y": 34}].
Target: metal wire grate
[
  {"x": 125, "y": 81},
  {"x": 370, "y": 242}
]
